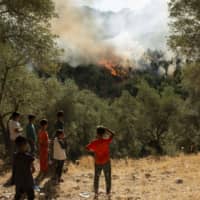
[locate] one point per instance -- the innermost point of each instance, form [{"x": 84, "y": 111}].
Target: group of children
[{"x": 23, "y": 152}]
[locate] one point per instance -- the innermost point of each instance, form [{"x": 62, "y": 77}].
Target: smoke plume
[{"x": 79, "y": 36}]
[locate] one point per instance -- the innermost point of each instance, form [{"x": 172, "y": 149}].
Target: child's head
[
  {"x": 31, "y": 118},
  {"x": 60, "y": 133},
  {"x": 16, "y": 116},
  {"x": 60, "y": 114},
  {"x": 21, "y": 143},
  {"x": 44, "y": 123},
  {"x": 100, "y": 131}
]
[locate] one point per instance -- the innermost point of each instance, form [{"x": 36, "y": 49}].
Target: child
[
  {"x": 31, "y": 133},
  {"x": 15, "y": 130},
  {"x": 23, "y": 166},
  {"x": 60, "y": 121},
  {"x": 43, "y": 146},
  {"x": 100, "y": 148},
  {"x": 59, "y": 154}
]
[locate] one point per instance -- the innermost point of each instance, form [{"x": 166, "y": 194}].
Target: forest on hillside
[{"x": 154, "y": 109}]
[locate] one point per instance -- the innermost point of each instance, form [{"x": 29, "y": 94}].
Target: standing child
[
  {"x": 43, "y": 146},
  {"x": 31, "y": 133},
  {"x": 15, "y": 130},
  {"x": 59, "y": 153},
  {"x": 60, "y": 121},
  {"x": 101, "y": 150},
  {"x": 23, "y": 165}
]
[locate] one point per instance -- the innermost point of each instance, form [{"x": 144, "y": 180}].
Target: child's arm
[
  {"x": 90, "y": 147},
  {"x": 32, "y": 168},
  {"x": 112, "y": 134}
]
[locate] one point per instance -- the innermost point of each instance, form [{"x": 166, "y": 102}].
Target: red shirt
[
  {"x": 101, "y": 149},
  {"x": 43, "y": 139}
]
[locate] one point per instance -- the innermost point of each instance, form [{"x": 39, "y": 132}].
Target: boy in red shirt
[{"x": 100, "y": 148}]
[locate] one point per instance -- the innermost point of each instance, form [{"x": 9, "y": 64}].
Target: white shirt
[
  {"x": 58, "y": 151},
  {"x": 13, "y": 125}
]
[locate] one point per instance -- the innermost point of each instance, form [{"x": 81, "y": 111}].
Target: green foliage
[
  {"x": 188, "y": 125},
  {"x": 185, "y": 27},
  {"x": 26, "y": 43}
]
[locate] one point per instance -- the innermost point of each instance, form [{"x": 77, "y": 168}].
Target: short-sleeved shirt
[
  {"x": 101, "y": 149},
  {"x": 13, "y": 125},
  {"x": 31, "y": 132},
  {"x": 22, "y": 170},
  {"x": 43, "y": 139}
]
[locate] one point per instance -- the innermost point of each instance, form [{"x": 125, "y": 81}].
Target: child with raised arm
[
  {"x": 59, "y": 153},
  {"x": 43, "y": 140},
  {"x": 23, "y": 166},
  {"x": 100, "y": 148}
]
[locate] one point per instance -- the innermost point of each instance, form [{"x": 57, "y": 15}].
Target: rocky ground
[{"x": 165, "y": 178}]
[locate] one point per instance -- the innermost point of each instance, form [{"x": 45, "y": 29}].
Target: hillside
[{"x": 166, "y": 178}]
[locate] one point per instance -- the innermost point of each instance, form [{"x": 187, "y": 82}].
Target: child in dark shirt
[
  {"x": 101, "y": 150},
  {"x": 23, "y": 169},
  {"x": 60, "y": 121},
  {"x": 31, "y": 133}
]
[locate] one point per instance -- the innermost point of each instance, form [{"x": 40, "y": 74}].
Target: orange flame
[{"x": 110, "y": 65}]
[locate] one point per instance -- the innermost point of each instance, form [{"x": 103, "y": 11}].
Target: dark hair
[
  {"x": 15, "y": 115},
  {"x": 60, "y": 113},
  {"x": 31, "y": 117},
  {"x": 20, "y": 141},
  {"x": 43, "y": 122},
  {"x": 59, "y": 132},
  {"x": 100, "y": 130}
]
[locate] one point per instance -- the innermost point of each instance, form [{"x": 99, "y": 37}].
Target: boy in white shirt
[
  {"x": 15, "y": 130},
  {"x": 59, "y": 153}
]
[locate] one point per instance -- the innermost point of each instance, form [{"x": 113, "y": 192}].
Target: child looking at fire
[
  {"x": 43, "y": 139},
  {"x": 101, "y": 150},
  {"x": 59, "y": 154},
  {"x": 23, "y": 166}
]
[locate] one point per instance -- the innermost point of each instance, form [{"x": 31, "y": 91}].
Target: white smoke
[{"x": 88, "y": 35}]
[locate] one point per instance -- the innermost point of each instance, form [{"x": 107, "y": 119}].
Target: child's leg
[
  {"x": 61, "y": 164},
  {"x": 57, "y": 169},
  {"x": 18, "y": 193},
  {"x": 98, "y": 169},
  {"x": 30, "y": 194},
  {"x": 107, "y": 174}
]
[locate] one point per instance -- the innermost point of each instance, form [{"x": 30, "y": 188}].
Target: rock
[
  {"x": 179, "y": 181},
  {"x": 147, "y": 175},
  {"x": 78, "y": 180},
  {"x": 90, "y": 175},
  {"x": 115, "y": 177},
  {"x": 76, "y": 188}
]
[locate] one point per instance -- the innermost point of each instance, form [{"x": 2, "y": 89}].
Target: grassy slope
[{"x": 146, "y": 179}]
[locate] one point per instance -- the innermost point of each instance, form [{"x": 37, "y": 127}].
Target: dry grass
[{"x": 167, "y": 178}]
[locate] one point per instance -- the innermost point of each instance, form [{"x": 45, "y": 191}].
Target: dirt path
[{"x": 146, "y": 179}]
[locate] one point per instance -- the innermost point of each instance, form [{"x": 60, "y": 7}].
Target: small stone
[
  {"x": 115, "y": 177},
  {"x": 179, "y": 181},
  {"x": 147, "y": 175},
  {"x": 76, "y": 188}
]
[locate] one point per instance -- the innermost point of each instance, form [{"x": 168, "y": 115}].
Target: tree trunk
[{"x": 5, "y": 135}]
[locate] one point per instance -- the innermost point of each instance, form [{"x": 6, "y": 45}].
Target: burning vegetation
[{"x": 115, "y": 66}]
